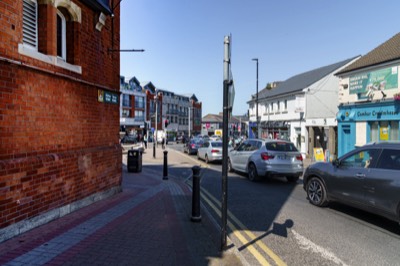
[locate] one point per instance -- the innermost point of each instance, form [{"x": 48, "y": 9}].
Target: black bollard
[
  {"x": 196, "y": 216},
  {"x": 165, "y": 176}
]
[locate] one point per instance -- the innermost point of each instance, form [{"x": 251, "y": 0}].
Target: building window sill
[{"x": 53, "y": 60}]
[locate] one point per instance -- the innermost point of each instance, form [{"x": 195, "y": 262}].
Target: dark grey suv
[{"x": 367, "y": 178}]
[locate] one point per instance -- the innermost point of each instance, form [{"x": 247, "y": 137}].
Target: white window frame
[
  {"x": 26, "y": 49},
  {"x": 63, "y": 36}
]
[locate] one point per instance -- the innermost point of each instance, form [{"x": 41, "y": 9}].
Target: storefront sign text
[
  {"x": 376, "y": 113},
  {"x": 107, "y": 97},
  {"x": 382, "y": 79}
]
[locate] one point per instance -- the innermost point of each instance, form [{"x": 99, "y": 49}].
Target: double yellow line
[
  {"x": 249, "y": 243},
  {"x": 252, "y": 240}
]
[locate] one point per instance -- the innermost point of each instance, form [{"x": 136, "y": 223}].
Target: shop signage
[
  {"x": 376, "y": 113},
  {"x": 319, "y": 155},
  {"x": 107, "y": 97},
  {"x": 384, "y": 133},
  {"x": 382, "y": 79}
]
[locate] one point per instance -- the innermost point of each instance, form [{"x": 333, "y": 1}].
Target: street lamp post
[
  {"x": 189, "y": 121},
  {"x": 256, "y": 59},
  {"x": 156, "y": 121}
]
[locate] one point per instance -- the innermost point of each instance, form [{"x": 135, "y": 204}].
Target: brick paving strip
[{"x": 68, "y": 241}]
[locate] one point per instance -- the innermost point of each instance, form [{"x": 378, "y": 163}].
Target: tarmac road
[{"x": 272, "y": 222}]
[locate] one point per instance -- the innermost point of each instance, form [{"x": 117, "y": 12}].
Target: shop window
[
  {"x": 394, "y": 130},
  {"x": 374, "y": 136},
  {"x": 384, "y": 130}
]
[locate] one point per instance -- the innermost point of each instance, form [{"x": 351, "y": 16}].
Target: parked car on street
[
  {"x": 215, "y": 137},
  {"x": 266, "y": 158},
  {"x": 129, "y": 139},
  {"x": 211, "y": 151},
  {"x": 192, "y": 146},
  {"x": 367, "y": 178},
  {"x": 181, "y": 139}
]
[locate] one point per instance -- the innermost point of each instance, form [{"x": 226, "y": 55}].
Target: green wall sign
[
  {"x": 108, "y": 97},
  {"x": 383, "y": 79}
]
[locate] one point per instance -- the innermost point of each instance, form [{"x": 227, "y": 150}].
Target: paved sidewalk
[{"x": 147, "y": 224}]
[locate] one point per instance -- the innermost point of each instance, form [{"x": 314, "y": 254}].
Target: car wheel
[
  {"x": 206, "y": 159},
  {"x": 252, "y": 172},
  {"x": 292, "y": 179},
  {"x": 230, "y": 169},
  {"x": 316, "y": 192}
]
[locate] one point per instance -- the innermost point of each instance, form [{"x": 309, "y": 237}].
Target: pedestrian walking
[{"x": 145, "y": 140}]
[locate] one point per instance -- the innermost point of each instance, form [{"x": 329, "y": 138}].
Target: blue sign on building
[{"x": 374, "y": 121}]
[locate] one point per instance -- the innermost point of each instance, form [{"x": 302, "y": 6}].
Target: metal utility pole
[
  {"x": 257, "y": 135},
  {"x": 227, "y": 107},
  {"x": 156, "y": 121}
]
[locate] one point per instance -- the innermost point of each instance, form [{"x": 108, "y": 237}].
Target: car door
[
  {"x": 253, "y": 146},
  {"x": 238, "y": 156},
  {"x": 347, "y": 182},
  {"x": 202, "y": 150},
  {"x": 382, "y": 185}
]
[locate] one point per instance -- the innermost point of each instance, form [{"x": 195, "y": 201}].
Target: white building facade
[
  {"x": 132, "y": 106},
  {"x": 301, "y": 109}
]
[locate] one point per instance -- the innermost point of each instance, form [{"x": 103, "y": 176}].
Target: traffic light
[{"x": 166, "y": 123}]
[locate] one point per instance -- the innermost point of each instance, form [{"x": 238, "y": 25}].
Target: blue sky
[{"x": 183, "y": 41}]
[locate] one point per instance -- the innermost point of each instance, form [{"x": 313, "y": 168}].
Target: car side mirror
[{"x": 336, "y": 162}]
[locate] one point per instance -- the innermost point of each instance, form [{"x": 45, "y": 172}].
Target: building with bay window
[
  {"x": 132, "y": 106},
  {"x": 301, "y": 109}
]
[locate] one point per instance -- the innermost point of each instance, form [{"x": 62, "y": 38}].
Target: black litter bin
[{"x": 135, "y": 160}]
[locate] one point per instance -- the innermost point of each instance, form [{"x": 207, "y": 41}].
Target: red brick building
[
  {"x": 153, "y": 101},
  {"x": 59, "y": 109},
  {"x": 196, "y": 114}
]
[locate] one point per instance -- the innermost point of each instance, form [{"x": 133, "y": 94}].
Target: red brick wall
[{"x": 58, "y": 144}]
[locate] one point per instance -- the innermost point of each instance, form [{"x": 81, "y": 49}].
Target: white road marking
[{"x": 309, "y": 245}]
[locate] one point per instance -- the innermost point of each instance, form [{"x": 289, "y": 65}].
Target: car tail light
[
  {"x": 265, "y": 156},
  {"x": 214, "y": 151},
  {"x": 299, "y": 158}
]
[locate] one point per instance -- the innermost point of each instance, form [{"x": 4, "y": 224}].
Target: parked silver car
[
  {"x": 211, "y": 151},
  {"x": 267, "y": 158},
  {"x": 367, "y": 178}
]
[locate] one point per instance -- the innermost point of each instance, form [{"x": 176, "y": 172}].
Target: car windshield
[
  {"x": 280, "y": 146},
  {"x": 216, "y": 144}
]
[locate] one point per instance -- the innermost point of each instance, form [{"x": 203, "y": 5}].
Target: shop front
[
  {"x": 275, "y": 130},
  {"x": 362, "y": 123}
]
